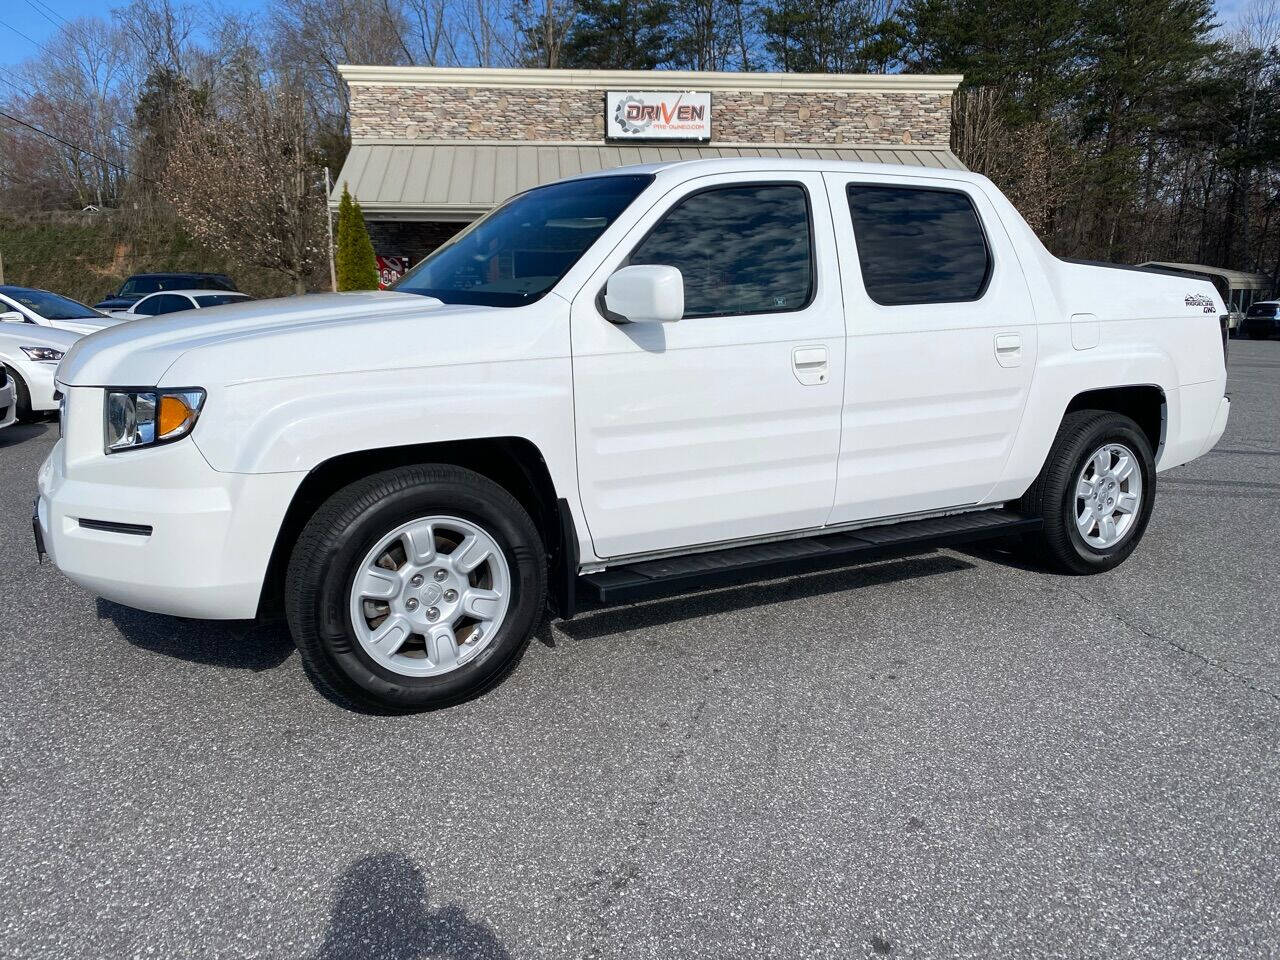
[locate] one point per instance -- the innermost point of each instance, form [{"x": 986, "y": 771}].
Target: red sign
[{"x": 390, "y": 270}]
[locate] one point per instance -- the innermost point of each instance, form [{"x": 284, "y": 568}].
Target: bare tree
[
  {"x": 541, "y": 27},
  {"x": 77, "y": 96},
  {"x": 160, "y": 32},
  {"x": 243, "y": 184},
  {"x": 1021, "y": 166}
]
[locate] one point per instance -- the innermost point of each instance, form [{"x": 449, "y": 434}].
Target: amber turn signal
[{"x": 172, "y": 415}]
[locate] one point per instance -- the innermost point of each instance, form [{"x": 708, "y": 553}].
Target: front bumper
[{"x": 159, "y": 529}]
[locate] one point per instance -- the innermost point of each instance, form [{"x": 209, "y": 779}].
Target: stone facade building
[{"x": 433, "y": 148}]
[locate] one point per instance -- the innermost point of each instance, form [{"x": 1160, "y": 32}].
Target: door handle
[
  {"x": 1009, "y": 349},
  {"x": 810, "y": 365}
]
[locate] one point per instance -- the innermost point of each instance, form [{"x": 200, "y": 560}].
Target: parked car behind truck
[
  {"x": 28, "y": 305},
  {"x": 645, "y": 380},
  {"x": 140, "y": 284},
  {"x": 1262, "y": 320},
  {"x": 32, "y": 354}
]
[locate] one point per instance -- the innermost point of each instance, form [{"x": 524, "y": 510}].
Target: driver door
[{"x": 725, "y": 424}]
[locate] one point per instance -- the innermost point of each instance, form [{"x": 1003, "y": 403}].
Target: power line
[
  {"x": 17, "y": 84},
  {"x": 74, "y": 146},
  {"x": 51, "y": 10},
  {"x": 21, "y": 34},
  {"x": 42, "y": 13}
]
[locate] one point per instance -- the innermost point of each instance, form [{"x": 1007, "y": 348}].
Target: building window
[
  {"x": 740, "y": 249},
  {"x": 919, "y": 245}
]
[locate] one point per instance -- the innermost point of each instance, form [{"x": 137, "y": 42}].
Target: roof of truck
[{"x": 460, "y": 181}]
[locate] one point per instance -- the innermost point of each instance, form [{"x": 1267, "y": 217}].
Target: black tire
[
  {"x": 22, "y": 397},
  {"x": 1052, "y": 498},
  {"x": 347, "y": 526}
]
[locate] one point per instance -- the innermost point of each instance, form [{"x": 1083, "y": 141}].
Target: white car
[
  {"x": 31, "y": 354},
  {"x": 174, "y": 301},
  {"x": 633, "y": 382},
  {"x": 42, "y": 308}
]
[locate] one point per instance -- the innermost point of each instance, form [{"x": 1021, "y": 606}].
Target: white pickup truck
[{"x": 620, "y": 385}]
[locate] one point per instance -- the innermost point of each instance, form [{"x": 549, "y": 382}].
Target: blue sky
[{"x": 26, "y": 23}]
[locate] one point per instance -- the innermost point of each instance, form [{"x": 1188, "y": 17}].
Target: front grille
[{"x": 4, "y": 374}]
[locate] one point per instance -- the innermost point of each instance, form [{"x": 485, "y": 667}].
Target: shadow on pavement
[
  {"x": 16, "y": 433},
  {"x": 599, "y": 622},
  {"x": 379, "y": 911},
  {"x": 234, "y": 644}
]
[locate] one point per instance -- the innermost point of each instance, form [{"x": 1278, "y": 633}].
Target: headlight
[
  {"x": 141, "y": 418},
  {"x": 42, "y": 353}
]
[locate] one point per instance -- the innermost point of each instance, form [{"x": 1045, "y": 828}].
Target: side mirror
[
  {"x": 646, "y": 294},
  {"x": 12, "y": 316}
]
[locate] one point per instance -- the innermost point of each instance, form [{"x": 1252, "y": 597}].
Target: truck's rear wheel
[
  {"x": 1094, "y": 493},
  {"x": 414, "y": 588}
]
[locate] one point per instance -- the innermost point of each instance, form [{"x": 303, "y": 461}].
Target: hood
[
  {"x": 116, "y": 303},
  {"x": 13, "y": 336},
  {"x": 83, "y": 325},
  {"x": 269, "y": 339}
]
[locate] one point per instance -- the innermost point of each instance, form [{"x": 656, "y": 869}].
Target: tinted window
[
  {"x": 138, "y": 286},
  {"x": 521, "y": 250},
  {"x": 217, "y": 299},
  {"x": 162, "y": 303},
  {"x": 739, "y": 249},
  {"x": 918, "y": 245},
  {"x": 51, "y": 306}
]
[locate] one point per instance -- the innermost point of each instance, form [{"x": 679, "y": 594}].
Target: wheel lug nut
[
  {"x": 451, "y": 595},
  {"x": 411, "y": 603},
  {"x": 416, "y": 580},
  {"x": 440, "y": 575},
  {"x": 432, "y": 613}
]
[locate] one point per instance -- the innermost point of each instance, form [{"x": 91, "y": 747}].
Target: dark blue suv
[
  {"x": 1261, "y": 320},
  {"x": 140, "y": 284}
]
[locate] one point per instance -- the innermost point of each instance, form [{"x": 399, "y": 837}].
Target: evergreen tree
[
  {"x": 618, "y": 35},
  {"x": 357, "y": 267},
  {"x": 830, "y": 36},
  {"x": 1028, "y": 49}
]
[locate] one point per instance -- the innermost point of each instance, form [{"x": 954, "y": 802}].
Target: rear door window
[{"x": 919, "y": 245}]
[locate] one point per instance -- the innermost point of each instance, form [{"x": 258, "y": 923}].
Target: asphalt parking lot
[{"x": 943, "y": 756}]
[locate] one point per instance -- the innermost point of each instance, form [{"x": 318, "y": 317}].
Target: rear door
[
  {"x": 725, "y": 424},
  {"x": 941, "y": 347}
]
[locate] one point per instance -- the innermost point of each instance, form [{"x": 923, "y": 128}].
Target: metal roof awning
[
  {"x": 1236, "y": 279},
  {"x": 461, "y": 180}
]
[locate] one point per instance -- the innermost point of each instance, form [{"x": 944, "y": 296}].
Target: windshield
[
  {"x": 137, "y": 286},
  {"x": 53, "y": 307},
  {"x": 518, "y": 252}
]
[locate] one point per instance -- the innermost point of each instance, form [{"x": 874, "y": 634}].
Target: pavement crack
[
  {"x": 1206, "y": 661},
  {"x": 613, "y": 882}
]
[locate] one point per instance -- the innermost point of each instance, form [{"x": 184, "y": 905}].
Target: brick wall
[
  {"x": 541, "y": 113},
  {"x": 409, "y": 238}
]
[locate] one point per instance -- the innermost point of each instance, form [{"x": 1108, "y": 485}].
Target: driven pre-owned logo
[
  {"x": 634, "y": 115},
  {"x": 658, "y": 116}
]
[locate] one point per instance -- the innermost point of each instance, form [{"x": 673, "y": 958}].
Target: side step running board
[{"x": 718, "y": 568}]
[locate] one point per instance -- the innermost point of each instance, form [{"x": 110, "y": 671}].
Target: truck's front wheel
[
  {"x": 414, "y": 588},
  {"x": 1094, "y": 493}
]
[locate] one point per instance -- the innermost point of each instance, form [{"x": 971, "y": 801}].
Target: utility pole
[
  {"x": 1, "y": 267},
  {"x": 328, "y": 222}
]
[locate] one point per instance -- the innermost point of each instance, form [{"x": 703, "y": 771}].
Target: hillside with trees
[{"x": 1124, "y": 130}]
